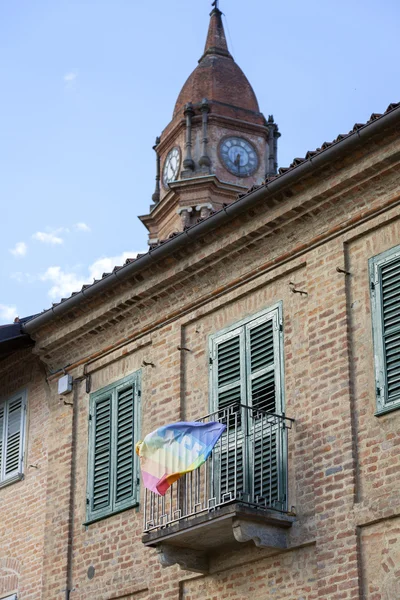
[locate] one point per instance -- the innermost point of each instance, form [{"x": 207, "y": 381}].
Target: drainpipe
[{"x": 72, "y": 486}]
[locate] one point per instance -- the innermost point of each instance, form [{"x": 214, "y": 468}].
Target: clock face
[
  {"x": 238, "y": 156},
  {"x": 171, "y": 166}
]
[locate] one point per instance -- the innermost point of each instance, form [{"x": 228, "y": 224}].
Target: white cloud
[
  {"x": 82, "y": 227},
  {"x": 64, "y": 283},
  {"x": 20, "y": 249},
  {"x": 7, "y": 313},
  {"x": 24, "y": 277},
  {"x": 70, "y": 79},
  {"x": 47, "y": 238},
  {"x": 106, "y": 264}
]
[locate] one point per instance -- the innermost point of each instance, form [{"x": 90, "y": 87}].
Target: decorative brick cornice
[{"x": 282, "y": 210}]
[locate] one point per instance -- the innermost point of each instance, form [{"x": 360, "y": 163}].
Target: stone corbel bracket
[
  {"x": 182, "y": 209},
  {"x": 263, "y": 535},
  {"x": 184, "y": 212},
  {"x": 195, "y": 561},
  {"x": 204, "y": 210}
]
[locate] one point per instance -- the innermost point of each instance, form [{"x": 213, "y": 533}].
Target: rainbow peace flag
[{"x": 175, "y": 449}]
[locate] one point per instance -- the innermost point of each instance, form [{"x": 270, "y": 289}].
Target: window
[
  {"x": 113, "y": 475},
  {"x": 12, "y": 597},
  {"x": 12, "y": 437},
  {"x": 385, "y": 302},
  {"x": 246, "y": 374}
]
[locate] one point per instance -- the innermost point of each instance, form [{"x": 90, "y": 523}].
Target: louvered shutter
[
  {"x": 2, "y": 421},
  {"x": 125, "y": 475},
  {"x": 390, "y": 282},
  {"x": 112, "y": 460},
  {"x": 228, "y": 359},
  {"x": 262, "y": 358},
  {"x": 231, "y": 473},
  {"x": 229, "y": 388},
  {"x": 385, "y": 304},
  {"x": 13, "y": 437},
  {"x": 12, "y": 434},
  {"x": 263, "y": 381},
  {"x": 100, "y": 489}
]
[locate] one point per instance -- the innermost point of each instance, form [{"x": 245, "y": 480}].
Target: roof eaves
[{"x": 285, "y": 176}]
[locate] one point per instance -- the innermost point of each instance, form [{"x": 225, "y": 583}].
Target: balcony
[{"x": 238, "y": 495}]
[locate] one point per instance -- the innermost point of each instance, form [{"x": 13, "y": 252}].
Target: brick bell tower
[{"x": 217, "y": 145}]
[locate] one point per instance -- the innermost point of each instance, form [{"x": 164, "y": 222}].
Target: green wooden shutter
[
  {"x": 101, "y": 447},
  {"x": 229, "y": 390},
  {"x": 2, "y": 435},
  {"x": 112, "y": 460},
  {"x": 385, "y": 304},
  {"x": 390, "y": 274},
  {"x": 229, "y": 371},
  {"x": 13, "y": 437},
  {"x": 266, "y": 474},
  {"x": 231, "y": 478},
  {"x": 261, "y": 363},
  {"x": 263, "y": 381},
  {"x": 125, "y": 446}
]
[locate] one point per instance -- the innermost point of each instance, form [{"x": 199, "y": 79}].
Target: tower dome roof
[{"x": 217, "y": 77}]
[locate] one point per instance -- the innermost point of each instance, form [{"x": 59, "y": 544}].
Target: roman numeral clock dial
[
  {"x": 238, "y": 156},
  {"x": 172, "y": 166}
]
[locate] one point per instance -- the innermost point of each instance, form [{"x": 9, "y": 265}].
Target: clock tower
[{"x": 217, "y": 145}]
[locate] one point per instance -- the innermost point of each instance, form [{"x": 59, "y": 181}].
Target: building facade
[{"x": 273, "y": 310}]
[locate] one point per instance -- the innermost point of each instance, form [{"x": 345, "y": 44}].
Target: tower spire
[{"x": 216, "y": 41}]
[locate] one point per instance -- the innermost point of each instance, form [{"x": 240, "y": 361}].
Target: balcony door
[{"x": 246, "y": 371}]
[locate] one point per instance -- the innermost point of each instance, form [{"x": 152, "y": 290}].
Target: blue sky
[{"x": 88, "y": 84}]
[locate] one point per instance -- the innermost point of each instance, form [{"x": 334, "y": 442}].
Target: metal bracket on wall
[
  {"x": 340, "y": 270},
  {"x": 296, "y": 291},
  {"x": 88, "y": 383},
  {"x": 145, "y": 363}
]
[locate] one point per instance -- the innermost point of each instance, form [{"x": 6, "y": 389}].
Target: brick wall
[
  {"x": 22, "y": 515},
  {"x": 343, "y": 461}
]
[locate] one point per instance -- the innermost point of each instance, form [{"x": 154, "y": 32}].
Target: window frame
[
  {"x": 383, "y": 404},
  {"x": 111, "y": 391},
  {"x": 6, "y": 401},
  {"x": 275, "y": 313}
]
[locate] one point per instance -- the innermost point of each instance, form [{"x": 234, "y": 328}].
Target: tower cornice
[{"x": 195, "y": 192}]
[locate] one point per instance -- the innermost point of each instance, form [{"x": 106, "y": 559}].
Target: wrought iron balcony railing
[{"x": 248, "y": 465}]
